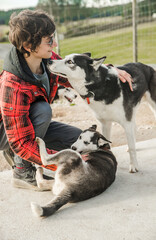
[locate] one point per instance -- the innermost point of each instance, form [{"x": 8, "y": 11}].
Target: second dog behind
[
  {"x": 65, "y": 93},
  {"x": 76, "y": 179}
]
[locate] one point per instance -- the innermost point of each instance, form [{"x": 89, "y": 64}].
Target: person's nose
[{"x": 54, "y": 43}]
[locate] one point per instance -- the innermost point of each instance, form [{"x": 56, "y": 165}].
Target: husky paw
[
  {"x": 36, "y": 209},
  {"x": 133, "y": 169},
  {"x": 37, "y": 139}
]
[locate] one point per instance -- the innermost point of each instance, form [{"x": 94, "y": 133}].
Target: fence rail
[{"x": 113, "y": 34}]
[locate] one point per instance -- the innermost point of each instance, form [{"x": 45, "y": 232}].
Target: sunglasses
[{"x": 51, "y": 40}]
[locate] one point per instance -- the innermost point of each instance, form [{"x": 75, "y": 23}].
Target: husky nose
[{"x": 74, "y": 148}]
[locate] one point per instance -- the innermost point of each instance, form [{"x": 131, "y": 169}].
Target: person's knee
[
  {"x": 77, "y": 132},
  {"x": 41, "y": 111},
  {"x": 40, "y": 115},
  {"x": 45, "y": 110}
]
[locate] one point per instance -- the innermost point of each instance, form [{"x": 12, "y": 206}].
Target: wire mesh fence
[
  {"x": 110, "y": 33},
  {"x": 105, "y": 31}
]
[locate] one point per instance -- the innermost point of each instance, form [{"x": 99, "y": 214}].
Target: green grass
[
  {"x": 116, "y": 45},
  {"x": 1, "y": 65}
]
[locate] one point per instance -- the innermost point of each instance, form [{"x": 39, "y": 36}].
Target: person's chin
[{"x": 48, "y": 55}]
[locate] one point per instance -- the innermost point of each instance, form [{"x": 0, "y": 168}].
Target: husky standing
[{"x": 109, "y": 98}]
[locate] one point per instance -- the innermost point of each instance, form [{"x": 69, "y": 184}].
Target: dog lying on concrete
[
  {"x": 109, "y": 98},
  {"x": 76, "y": 179}
]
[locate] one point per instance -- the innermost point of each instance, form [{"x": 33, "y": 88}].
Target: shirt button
[
  {"x": 35, "y": 93},
  {"x": 11, "y": 108}
]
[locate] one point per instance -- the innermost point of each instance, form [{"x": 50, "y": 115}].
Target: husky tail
[{"x": 51, "y": 207}]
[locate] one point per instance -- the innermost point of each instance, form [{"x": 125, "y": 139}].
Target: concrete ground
[
  {"x": 4, "y": 49},
  {"x": 125, "y": 211}
]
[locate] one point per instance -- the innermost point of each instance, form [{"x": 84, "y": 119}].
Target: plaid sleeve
[{"x": 15, "y": 105}]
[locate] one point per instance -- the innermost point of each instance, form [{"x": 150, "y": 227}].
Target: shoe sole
[{"x": 17, "y": 183}]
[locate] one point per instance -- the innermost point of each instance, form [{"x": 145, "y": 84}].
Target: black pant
[{"x": 57, "y": 136}]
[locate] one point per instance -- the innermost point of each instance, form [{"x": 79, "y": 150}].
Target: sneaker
[
  {"x": 26, "y": 178},
  {"x": 9, "y": 157}
]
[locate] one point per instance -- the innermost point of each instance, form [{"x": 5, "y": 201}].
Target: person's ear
[{"x": 27, "y": 47}]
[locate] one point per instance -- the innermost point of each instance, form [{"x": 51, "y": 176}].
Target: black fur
[
  {"x": 141, "y": 75},
  {"x": 55, "y": 204},
  {"x": 102, "y": 170},
  {"x": 69, "y": 166},
  {"x": 107, "y": 87}
]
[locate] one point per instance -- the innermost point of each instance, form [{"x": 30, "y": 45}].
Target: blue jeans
[{"x": 57, "y": 136}]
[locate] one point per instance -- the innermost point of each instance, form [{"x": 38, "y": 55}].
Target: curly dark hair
[{"x": 29, "y": 27}]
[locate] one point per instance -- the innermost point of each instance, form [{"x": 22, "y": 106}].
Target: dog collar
[
  {"x": 90, "y": 94},
  {"x": 88, "y": 101}
]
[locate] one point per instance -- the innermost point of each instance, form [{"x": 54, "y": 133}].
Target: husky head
[
  {"x": 89, "y": 140},
  {"x": 66, "y": 93},
  {"x": 78, "y": 68}
]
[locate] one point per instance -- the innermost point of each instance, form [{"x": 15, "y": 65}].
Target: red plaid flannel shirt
[{"x": 15, "y": 100}]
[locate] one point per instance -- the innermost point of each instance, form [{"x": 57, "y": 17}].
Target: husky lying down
[
  {"x": 76, "y": 179},
  {"x": 110, "y": 99}
]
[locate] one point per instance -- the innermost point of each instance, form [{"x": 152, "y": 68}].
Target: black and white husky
[
  {"x": 110, "y": 99},
  {"x": 66, "y": 93},
  {"x": 76, "y": 179}
]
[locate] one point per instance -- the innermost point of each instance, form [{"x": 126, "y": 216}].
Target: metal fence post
[
  {"x": 135, "y": 39},
  {"x": 57, "y": 50}
]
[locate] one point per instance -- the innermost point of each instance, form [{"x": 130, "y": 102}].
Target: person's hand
[
  {"x": 125, "y": 77},
  {"x": 84, "y": 157}
]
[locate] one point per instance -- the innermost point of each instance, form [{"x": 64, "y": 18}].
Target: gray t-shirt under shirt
[{"x": 44, "y": 79}]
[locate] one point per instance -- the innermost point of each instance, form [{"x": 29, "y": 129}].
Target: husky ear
[
  {"x": 97, "y": 62},
  {"x": 93, "y": 127},
  {"x": 102, "y": 140},
  {"x": 88, "y": 54}
]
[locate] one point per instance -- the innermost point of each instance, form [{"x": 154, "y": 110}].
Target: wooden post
[{"x": 135, "y": 39}]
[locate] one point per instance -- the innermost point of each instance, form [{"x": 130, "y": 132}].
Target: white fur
[
  {"x": 84, "y": 142},
  {"x": 36, "y": 209},
  {"x": 80, "y": 143},
  {"x": 66, "y": 93},
  {"x": 152, "y": 104},
  {"x": 59, "y": 185},
  {"x": 66, "y": 69}
]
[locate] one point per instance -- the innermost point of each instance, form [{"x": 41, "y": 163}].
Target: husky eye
[
  {"x": 69, "y": 62},
  {"x": 86, "y": 143},
  {"x": 80, "y": 137}
]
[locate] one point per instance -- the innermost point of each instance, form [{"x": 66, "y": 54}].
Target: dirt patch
[{"x": 80, "y": 115}]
